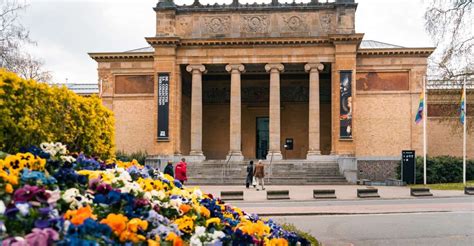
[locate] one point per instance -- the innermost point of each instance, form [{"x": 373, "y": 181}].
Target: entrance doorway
[{"x": 262, "y": 137}]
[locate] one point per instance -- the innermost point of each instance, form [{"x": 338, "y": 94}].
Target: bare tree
[
  {"x": 450, "y": 24},
  {"x": 13, "y": 36}
]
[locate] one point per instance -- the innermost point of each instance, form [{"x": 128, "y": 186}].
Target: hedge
[
  {"x": 33, "y": 112},
  {"x": 442, "y": 169}
]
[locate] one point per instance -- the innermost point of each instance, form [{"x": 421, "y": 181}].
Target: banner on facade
[
  {"x": 345, "y": 115},
  {"x": 163, "y": 105}
]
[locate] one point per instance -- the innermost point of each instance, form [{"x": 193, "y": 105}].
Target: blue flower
[{"x": 33, "y": 176}]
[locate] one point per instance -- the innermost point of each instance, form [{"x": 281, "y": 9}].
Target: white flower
[
  {"x": 68, "y": 158},
  {"x": 2, "y": 207},
  {"x": 195, "y": 241},
  {"x": 24, "y": 208},
  {"x": 75, "y": 199},
  {"x": 217, "y": 235},
  {"x": 200, "y": 231}
]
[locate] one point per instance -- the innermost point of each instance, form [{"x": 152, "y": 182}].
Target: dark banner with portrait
[
  {"x": 163, "y": 105},
  {"x": 345, "y": 115}
]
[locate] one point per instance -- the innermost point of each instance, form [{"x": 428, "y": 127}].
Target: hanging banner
[
  {"x": 345, "y": 115},
  {"x": 163, "y": 105}
]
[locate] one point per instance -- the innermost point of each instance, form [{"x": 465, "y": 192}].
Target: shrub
[
  {"x": 140, "y": 156},
  {"x": 34, "y": 112},
  {"x": 442, "y": 169}
]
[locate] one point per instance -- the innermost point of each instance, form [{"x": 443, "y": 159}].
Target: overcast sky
[{"x": 66, "y": 30}]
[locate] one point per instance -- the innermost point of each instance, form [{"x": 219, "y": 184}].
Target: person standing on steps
[
  {"x": 180, "y": 171},
  {"x": 249, "y": 180},
  {"x": 259, "y": 173},
  {"x": 169, "y": 169}
]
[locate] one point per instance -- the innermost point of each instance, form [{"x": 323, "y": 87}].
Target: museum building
[{"x": 270, "y": 81}]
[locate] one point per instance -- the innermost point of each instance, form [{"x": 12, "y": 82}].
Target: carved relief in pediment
[
  {"x": 326, "y": 22},
  {"x": 217, "y": 24},
  {"x": 294, "y": 23},
  {"x": 255, "y": 23}
]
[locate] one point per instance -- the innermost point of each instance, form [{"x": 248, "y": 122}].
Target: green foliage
[
  {"x": 34, "y": 112},
  {"x": 292, "y": 228},
  {"x": 140, "y": 156},
  {"x": 442, "y": 169}
]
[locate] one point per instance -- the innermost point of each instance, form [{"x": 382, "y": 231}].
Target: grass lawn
[{"x": 446, "y": 186}]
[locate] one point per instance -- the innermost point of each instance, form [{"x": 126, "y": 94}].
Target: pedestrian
[
  {"x": 259, "y": 173},
  {"x": 169, "y": 169},
  {"x": 180, "y": 171},
  {"x": 249, "y": 179}
]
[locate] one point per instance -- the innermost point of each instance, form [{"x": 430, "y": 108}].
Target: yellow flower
[
  {"x": 213, "y": 221},
  {"x": 9, "y": 188},
  {"x": 204, "y": 212},
  {"x": 185, "y": 224},
  {"x": 177, "y": 241},
  {"x": 155, "y": 242},
  {"x": 135, "y": 224},
  {"x": 276, "y": 242}
]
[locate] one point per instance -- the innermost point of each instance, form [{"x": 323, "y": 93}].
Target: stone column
[
  {"x": 314, "y": 110},
  {"x": 274, "y": 69},
  {"x": 196, "y": 111},
  {"x": 235, "y": 152}
]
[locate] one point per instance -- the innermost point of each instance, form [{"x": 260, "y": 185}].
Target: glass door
[{"x": 262, "y": 137}]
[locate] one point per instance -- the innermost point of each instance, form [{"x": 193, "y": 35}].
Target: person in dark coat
[
  {"x": 169, "y": 169},
  {"x": 249, "y": 179}
]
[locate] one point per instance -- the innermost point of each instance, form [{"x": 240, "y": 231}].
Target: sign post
[
  {"x": 163, "y": 106},
  {"x": 408, "y": 167}
]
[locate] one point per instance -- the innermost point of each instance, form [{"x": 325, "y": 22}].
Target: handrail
[{"x": 224, "y": 168}]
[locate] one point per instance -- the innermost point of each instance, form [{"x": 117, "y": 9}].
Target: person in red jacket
[{"x": 180, "y": 171}]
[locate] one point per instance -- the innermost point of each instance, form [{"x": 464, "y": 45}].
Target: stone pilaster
[
  {"x": 196, "y": 111},
  {"x": 235, "y": 152},
  {"x": 274, "y": 69},
  {"x": 314, "y": 149}
]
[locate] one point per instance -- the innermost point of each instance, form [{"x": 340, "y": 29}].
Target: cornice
[
  {"x": 163, "y": 41},
  {"x": 141, "y": 56},
  {"x": 235, "y": 6},
  {"x": 421, "y": 52}
]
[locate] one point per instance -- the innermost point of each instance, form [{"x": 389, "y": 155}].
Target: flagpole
[
  {"x": 464, "y": 138},
  {"x": 425, "y": 119}
]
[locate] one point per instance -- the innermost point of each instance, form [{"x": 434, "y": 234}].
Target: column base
[
  {"x": 313, "y": 155},
  {"x": 196, "y": 156},
  {"x": 274, "y": 155},
  {"x": 235, "y": 156}
]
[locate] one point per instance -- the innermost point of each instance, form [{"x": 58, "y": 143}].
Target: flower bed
[{"x": 48, "y": 196}]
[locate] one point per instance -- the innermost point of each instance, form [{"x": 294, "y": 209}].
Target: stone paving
[{"x": 343, "y": 192}]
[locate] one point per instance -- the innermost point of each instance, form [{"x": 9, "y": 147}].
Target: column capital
[
  {"x": 196, "y": 67},
  {"x": 274, "y": 67},
  {"x": 312, "y": 67},
  {"x": 235, "y": 67}
]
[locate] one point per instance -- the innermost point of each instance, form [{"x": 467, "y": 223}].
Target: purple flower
[
  {"x": 27, "y": 193},
  {"x": 14, "y": 241},
  {"x": 42, "y": 237}
]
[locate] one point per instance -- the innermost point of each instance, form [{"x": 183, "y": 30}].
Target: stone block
[
  {"x": 368, "y": 193},
  {"x": 232, "y": 195},
  {"x": 420, "y": 192},
  {"x": 324, "y": 194},
  {"x": 278, "y": 194}
]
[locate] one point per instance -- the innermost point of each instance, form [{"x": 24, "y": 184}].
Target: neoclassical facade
[{"x": 264, "y": 81}]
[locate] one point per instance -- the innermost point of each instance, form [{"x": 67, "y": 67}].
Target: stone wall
[
  {"x": 259, "y": 20},
  {"x": 377, "y": 170}
]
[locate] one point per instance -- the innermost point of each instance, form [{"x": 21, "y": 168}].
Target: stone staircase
[{"x": 288, "y": 172}]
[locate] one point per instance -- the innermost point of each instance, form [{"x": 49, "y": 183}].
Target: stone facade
[{"x": 229, "y": 65}]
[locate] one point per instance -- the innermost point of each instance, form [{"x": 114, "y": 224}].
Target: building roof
[
  {"x": 81, "y": 89},
  {"x": 372, "y": 44},
  {"x": 365, "y": 44}
]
